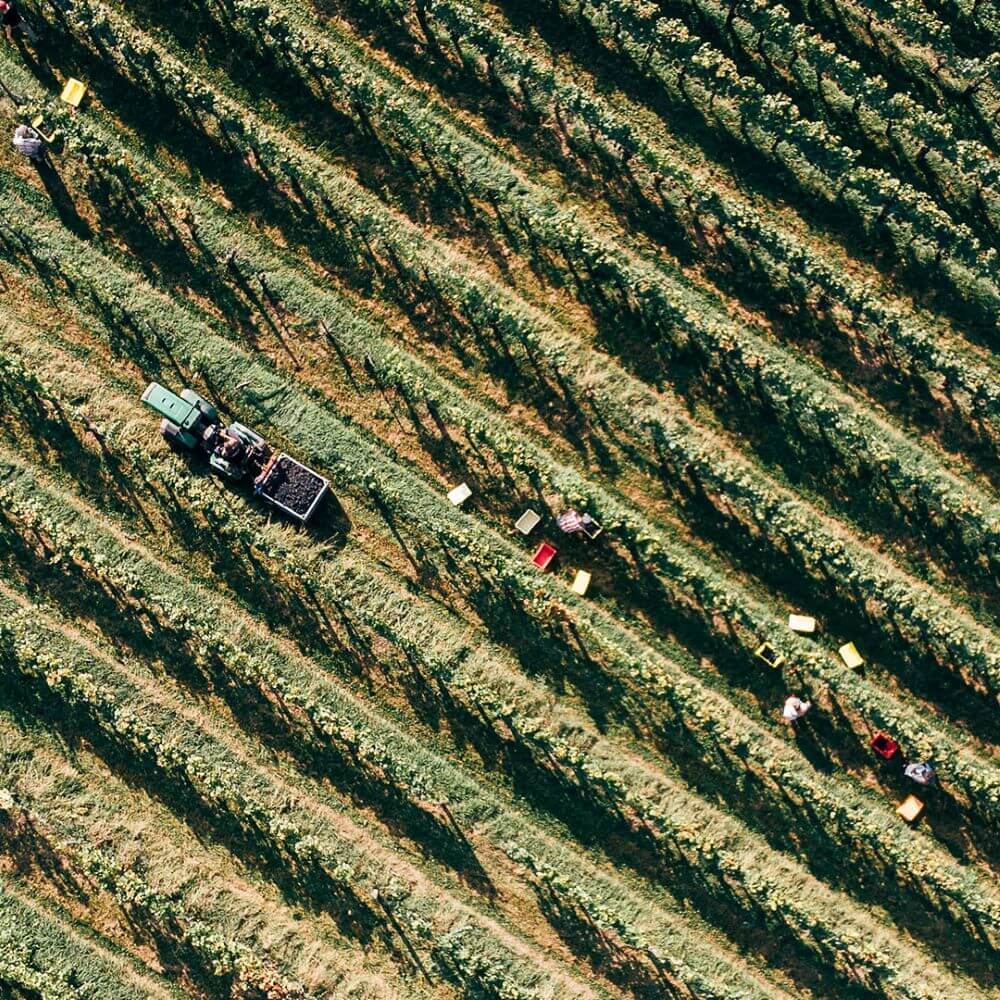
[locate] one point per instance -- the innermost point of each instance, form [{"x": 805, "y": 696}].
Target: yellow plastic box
[
  {"x": 802, "y": 623},
  {"x": 37, "y": 124},
  {"x": 581, "y": 583},
  {"x": 74, "y": 92},
  {"x": 910, "y": 808},
  {"x": 850, "y": 655},
  {"x": 766, "y": 653}
]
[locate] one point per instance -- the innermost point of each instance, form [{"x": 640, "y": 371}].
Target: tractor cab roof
[{"x": 168, "y": 404}]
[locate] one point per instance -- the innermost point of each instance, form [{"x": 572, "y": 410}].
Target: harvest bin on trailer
[
  {"x": 292, "y": 487},
  {"x": 237, "y": 452}
]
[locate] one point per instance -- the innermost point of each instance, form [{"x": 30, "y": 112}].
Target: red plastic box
[
  {"x": 884, "y": 745},
  {"x": 544, "y": 554}
]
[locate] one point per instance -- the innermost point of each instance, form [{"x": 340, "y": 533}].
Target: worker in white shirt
[
  {"x": 29, "y": 143},
  {"x": 921, "y": 773},
  {"x": 795, "y": 708}
]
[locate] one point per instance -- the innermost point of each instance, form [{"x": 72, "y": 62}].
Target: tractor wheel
[
  {"x": 209, "y": 412},
  {"x": 177, "y": 438}
]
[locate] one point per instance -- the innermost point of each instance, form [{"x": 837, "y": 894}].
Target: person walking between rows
[
  {"x": 12, "y": 20},
  {"x": 795, "y": 708}
]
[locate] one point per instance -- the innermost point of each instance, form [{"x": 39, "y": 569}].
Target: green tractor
[{"x": 237, "y": 452}]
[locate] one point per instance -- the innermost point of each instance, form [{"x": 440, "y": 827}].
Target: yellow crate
[
  {"x": 74, "y": 92},
  {"x": 581, "y": 583},
  {"x": 850, "y": 655},
  {"x": 766, "y": 653},
  {"x": 36, "y": 123},
  {"x": 910, "y": 808}
]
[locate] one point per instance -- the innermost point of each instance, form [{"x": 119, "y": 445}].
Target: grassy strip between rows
[
  {"x": 677, "y": 826},
  {"x": 479, "y": 677},
  {"x": 43, "y": 956},
  {"x": 890, "y": 466},
  {"x": 335, "y": 863},
  {"x": 840, "y": 566}
]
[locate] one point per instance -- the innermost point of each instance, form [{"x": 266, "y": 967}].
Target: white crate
[
  {"x": 459, "y": 494},
  {"x": 802, "y": 623},
  {"x": 527, "y": 521}
]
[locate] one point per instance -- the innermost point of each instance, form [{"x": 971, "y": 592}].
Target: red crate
[
  {"x": 884, "y": 745},
  {"x": 544, "y": 554}
]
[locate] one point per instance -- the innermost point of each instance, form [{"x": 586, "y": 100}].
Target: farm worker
[
  {"x": 794, "y": 709},
  {"x": 571, "y": 521},
  {"x": 12, "y": 21},
  {"x": 922, "y": 773},
  {"x": 230, "y": 447},
  {"x": 258, "y": 483},
  {"x": 28, "y": 142}
]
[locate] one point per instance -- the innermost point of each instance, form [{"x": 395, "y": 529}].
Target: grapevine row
[
  {"x": 40, "y": 956},
  {"x": 681, "y": 825},
  {"x": 919, "y": 46},
  {"x": 761, "y": 374},
  {"x": 333, "y": 714},
  {"x": 696, "y": 75},
  {"x": 964, "y": 172},
  {"x": 826, "y": 556},
  {"x": 391, "y": 618},
  {"x": 370, "y": 602},
  {"x": 977, "y": 20},
  {"x": 647, "y": 671},
  {"x": 796, "y": 271},
  {"x": 332, "y": 862},
  {"x": 230, "y": 963}
]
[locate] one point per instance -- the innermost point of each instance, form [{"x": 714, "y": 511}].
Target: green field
[{"x": 723, "y": 274}]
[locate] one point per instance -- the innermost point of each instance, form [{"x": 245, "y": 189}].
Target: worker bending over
[
  {"x": 795, "y": 708},
  {"x": 11, "y": 19},
  {"x": 922, "y": 773},
  {"x": 29, "y": 143}
]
